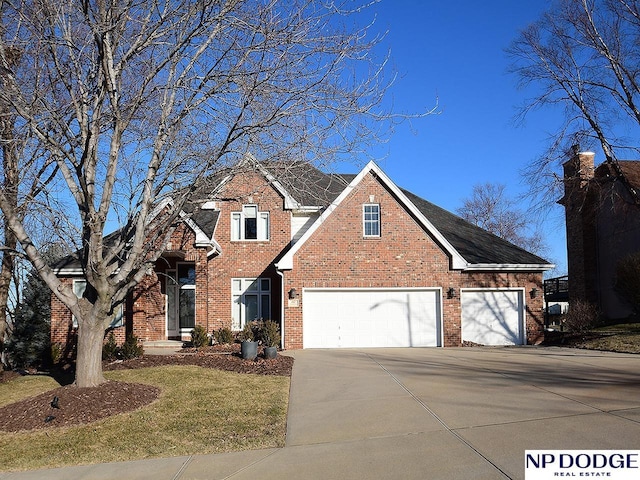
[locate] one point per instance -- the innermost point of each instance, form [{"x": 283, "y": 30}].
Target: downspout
[{"x": 279, "y": 272}]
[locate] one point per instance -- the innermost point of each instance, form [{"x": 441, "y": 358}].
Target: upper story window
[
  {"x": 371, "y": 220},
  {"x": 250, "y": 224}
]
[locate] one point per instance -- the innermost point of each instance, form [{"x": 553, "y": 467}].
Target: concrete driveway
[{"x": 456, "y": 413}]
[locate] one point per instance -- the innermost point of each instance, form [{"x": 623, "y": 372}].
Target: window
[
  {"x": 251, "y": 300},
  {"x": 79, "y": 286},
  {"x": 371, "y": 220},
  {"x": 250, "y": 224}
]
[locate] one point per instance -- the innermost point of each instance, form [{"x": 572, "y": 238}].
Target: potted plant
[
  {"x": 270, "y": 335},
  {"x": 249, "y": 344}
]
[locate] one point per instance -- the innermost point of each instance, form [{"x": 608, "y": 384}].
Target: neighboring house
[
  {"x": 602, "y": 211},
  {"x": 337, "y": 261},
  {"x": 556, "y": 301}
]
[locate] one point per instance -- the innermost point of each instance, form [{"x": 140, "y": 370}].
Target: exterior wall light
[
  {"x": 534, "y": 292},
  {"x": 451, "y": 293},
  {"x": 293, "y": 293}
]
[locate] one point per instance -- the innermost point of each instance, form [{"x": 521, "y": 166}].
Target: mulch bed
[
  {"x": 77, "y": 406},
  {"x": 84, "y": 405},
  {"x": 281, "y": 365}
]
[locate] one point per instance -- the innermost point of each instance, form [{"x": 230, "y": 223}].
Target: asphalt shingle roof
[
  {"x": 475, "y": 244},
  {"x": 312, "y": 188}
]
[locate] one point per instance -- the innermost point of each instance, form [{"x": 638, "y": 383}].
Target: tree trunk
[
  {"x": 6, "y": 274},
  {"x": 89, "y": 358},
  {"x": 10, "y": 173}
]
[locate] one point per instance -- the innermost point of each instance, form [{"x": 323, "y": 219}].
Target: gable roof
[
  {"x": 478, "y": 246},
  {"x": 468, "y": 246},
  {"x": 306, "y": 188},
  {"x": 627, "y": 171},
  {"x": 317, "y": 190},
  {"x": 631, "y": 171}
]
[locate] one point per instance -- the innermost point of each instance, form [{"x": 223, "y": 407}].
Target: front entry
[{"x": 181, "y": 300}]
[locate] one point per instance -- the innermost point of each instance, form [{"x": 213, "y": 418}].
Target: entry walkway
[{"x": 467, "y": 413}]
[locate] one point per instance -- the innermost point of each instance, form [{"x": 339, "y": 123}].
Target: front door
[{"x": 181, "y": 300}]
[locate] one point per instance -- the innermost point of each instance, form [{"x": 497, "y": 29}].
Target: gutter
[
  {"x": 281, "y": 275},
  {"x": 506, "y": 267}
]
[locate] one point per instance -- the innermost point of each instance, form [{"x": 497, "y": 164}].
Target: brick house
[
  {"x": 602, "y": 211},
  {"x": 337, "y": 260}
]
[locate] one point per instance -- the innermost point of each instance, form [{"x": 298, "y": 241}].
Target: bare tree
[
  {"x": 583, "y": 57},
  {"x": 9, "y": 153},
  {"x": 491, "y": 209},
  {"x": 128, "y": 105}
]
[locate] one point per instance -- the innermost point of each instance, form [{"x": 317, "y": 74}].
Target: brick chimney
[
  {"x": 579, "y": 210},
  {"x": 578, "y": 170}
]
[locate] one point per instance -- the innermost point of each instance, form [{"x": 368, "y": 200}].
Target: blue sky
[{"x": 453, "y": 52}]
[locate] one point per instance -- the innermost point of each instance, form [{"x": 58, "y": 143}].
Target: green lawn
[{"x": 199, "y": 411}]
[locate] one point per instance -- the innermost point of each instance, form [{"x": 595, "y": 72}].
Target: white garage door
[
  {"x": 334, "y": 318},
  {"x": 492, "y": 317}
]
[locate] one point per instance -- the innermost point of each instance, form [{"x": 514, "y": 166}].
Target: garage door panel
[
  {"x": 370, "y": 318},
  {"x": 492, "y": 317}
]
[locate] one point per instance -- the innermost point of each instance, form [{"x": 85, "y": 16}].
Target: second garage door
[
  {"x": 492, "y": 317},
  {"x": 334, "y": 318}
]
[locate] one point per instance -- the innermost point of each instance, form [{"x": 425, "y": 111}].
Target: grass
[
  {"x": 25, "y": 387},
  {"x": 623, "y": 338},
  {"x": 199, "y": 411}
]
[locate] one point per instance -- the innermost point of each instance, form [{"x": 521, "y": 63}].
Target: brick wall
[
  {"x": 250, "y": 258},
  {"x": 404, "y": 256},
  {"x": 62, "y": 330},
  {"x": 146, "y": 309}
]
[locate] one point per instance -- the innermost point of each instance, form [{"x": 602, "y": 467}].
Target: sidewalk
[{"x": 423, "y": 413}]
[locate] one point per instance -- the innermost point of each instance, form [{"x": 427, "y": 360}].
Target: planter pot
[
  {"x": 249, "y": 350},
  {"x": 270, "y": 352}
]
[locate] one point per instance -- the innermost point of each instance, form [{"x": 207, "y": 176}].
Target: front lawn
[{"x": 199, "y": 411}]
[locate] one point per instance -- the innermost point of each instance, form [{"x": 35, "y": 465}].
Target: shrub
[
  {"x": 270, "y": 333},
  {"x": 628, "y": 279},
  {"x": 56, "y": 353},
  {"x": 248, "y": 333},
  {"x": 29, "y": 344},
  {"x": 131, "y": 348},
  {"x": 199, "y": 337},
  {"x": 581, "y": 316},
  {"x": 110, "y": 349},
  {"x": 223, "y": 336}
]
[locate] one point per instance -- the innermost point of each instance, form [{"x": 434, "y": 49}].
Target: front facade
[{"x": 338, "y": 261}]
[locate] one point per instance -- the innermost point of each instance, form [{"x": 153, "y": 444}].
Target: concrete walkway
[{"x": 467, "y": 413}]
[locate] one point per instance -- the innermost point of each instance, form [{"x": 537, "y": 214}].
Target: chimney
[
  {"x": 578, "y": 170},
  {"x": 578, "y": 202}
]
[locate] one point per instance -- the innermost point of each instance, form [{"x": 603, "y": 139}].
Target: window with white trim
[
  {"x": 250, "y": 224},
  {"x": 251, "y": 300},
  {"x": 371, "y": 219},
  {"x": 79, "y": 286}
]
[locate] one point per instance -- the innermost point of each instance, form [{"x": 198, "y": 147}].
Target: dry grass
[
  {"x": 24, "y": 387},
  {"x": 199, "y": 411},
  {"x": 622, "y": 338}
]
